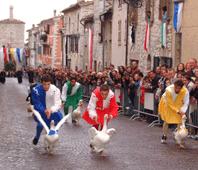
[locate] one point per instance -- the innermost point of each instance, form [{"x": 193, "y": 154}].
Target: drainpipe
[{"x": 127, "y": 33}]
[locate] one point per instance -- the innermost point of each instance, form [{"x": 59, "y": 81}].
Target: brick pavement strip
[{"x": 133, "y": 147}]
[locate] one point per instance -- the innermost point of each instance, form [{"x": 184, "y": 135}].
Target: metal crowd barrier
[
  {"x": 137, "y": 109},
  {"x": 192, "y": 115},
  {"x": 149, "y": 105},
  {"x": 126, "y": 107},
  {"x": 86, "y": 92}
]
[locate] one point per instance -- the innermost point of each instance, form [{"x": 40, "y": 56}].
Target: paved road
[{"x": 134, "y": 147}]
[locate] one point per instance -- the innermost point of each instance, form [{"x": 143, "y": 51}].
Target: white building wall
[{"x": 119, "y": 51}]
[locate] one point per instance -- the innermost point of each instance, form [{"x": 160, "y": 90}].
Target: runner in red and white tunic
[{"x": 102, "y": 102}]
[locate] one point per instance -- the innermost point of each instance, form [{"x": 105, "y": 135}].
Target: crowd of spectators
[{"x": 127, "y": 82}]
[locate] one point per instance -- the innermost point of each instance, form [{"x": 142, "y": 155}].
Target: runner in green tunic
[{"x": 71, "y": 94}]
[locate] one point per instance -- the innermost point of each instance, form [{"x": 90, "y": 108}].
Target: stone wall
[
  {"x": 12, "y": 34},
  {"x": 78, "y": 29},
  {"x": 136, "y": 51}
]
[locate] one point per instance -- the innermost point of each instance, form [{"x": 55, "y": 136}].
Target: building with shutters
[{"x": 45, "y": 43}]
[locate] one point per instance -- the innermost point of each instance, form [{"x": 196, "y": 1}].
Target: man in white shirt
[{"x": 46, "y": 100}]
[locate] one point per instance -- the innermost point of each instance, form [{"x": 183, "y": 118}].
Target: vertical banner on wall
[
  {"x": 177, "y": 19},
  {"x": 18, "y": 55},
  {"x": 1, "y": 59},
  {"x": 12, "y": 55},
  {"x": 90, "y": 48},
  {"x": 5, "y": 53},
  {"x": 163, "y": 34},
  {"x": 147, "y": 37}
]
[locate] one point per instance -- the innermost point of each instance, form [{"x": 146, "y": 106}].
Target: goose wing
[
  {"x": 111, "y": 131},
  {"x": 62, "y": 121},
  {"x": 38, "y": 116},
  {"x": 92, "y": 132}
]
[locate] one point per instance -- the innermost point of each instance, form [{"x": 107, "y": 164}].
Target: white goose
[
  {"x": 99, "y": 139},
  {"x": 181, "y": 133},
  {"x": 51, "y": 136},
  {"x": 76, "y": 114}
]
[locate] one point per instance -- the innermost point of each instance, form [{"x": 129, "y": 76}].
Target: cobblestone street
[{"x": 133, "y": 147}]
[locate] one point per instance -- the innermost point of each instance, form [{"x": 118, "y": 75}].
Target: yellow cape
[{"x": 169, "y": 108}]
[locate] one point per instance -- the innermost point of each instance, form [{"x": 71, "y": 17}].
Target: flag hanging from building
[
  {"x": 163, "y": 35},
  {"x": 90, "y": 48},
  {"x": 177, "y": 19},
  {"x": 5, "y": 55},
  {"x": 147, "y": 37},
  {"x": 18, "y": 55},
  {"x": 12, "y": 55}
]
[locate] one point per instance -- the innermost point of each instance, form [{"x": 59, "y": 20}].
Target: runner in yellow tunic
[{"x": 173, "y": 105}]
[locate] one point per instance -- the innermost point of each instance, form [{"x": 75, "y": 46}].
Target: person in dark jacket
[
  {"x": 29, "y": 97},
  {"x": 31, "y": 76},
  {"x": 3, "y": 76},
  {"x": 19, "y": 75},
  {"x": 194, "y": 92}
]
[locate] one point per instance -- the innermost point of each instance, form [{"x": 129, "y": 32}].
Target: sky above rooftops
[{"x": 32, "y": 11}]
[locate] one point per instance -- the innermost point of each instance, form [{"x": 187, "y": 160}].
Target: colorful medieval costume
[
  {"x": 71, "y": 96},
  {"x": 98, "y": 107},
  {"x": 43, "y": 100},
  {"x": 172, "y": 107},
  {"x": 172, "y": 103}
]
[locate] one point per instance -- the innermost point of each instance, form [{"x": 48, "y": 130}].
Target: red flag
[
  {"x": 5, "y": 55},
  {"x": 147, "y": 37},
  {"x": 90, "y": 48}
]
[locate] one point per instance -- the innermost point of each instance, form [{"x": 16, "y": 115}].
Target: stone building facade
[
  {"x": 118, "y": 35},
  {"x": 45, "y": 43},
  {"x": 136, "y": 50},
  {"x": 33, "y": 39},
  {"x": 102, "y": 39},
  {"x": 73, "y": 34},
  {"x": 126, "y": 49},
  {"x": 12, "y": 32}
]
